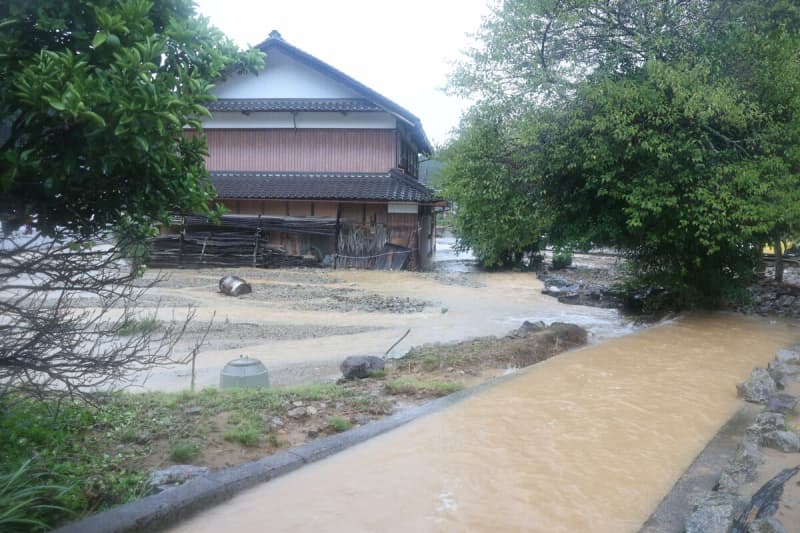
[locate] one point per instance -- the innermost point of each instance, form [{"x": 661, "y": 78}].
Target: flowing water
[{"x": 587, "y": 441}]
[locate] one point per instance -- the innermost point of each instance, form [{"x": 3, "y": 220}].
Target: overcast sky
[{"x": 403, "y": 48}]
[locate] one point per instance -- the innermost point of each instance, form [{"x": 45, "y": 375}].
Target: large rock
[
  {"x": 781, "y": 403},
  {"x": 361, "y": 366},
  {"x": 785, "y": 441},
  {"x": 161, "y": 480},
  {"x": 234, "y": 286},
  {"x": 758, "y": 387},
  {"x": 714, "y": 514},
  {"x": 743, "y": 468},
  {"x": 782, "y": 372}
]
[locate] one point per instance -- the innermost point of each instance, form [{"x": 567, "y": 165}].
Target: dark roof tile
[
  {"x": 389, "y": 186},
  {"x": 293, "y": 104}
]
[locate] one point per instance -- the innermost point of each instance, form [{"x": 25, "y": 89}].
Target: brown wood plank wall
[{"x": 303, "y": 150}]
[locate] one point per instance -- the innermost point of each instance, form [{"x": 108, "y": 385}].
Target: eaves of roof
[
  {"x": 418, "y": 134},
  {"x": 384, "y": 187}
]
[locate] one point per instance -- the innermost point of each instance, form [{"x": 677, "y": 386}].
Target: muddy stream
[{"x": 587, "y": 441}]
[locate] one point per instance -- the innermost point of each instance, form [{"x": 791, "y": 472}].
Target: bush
[{"x": 562, "y": 258}]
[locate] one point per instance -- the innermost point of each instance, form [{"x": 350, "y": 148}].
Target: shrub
[{"x": 562, "y": 258}]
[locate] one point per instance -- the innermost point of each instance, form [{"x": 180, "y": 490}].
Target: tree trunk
[{"x": 778, "y": 260}]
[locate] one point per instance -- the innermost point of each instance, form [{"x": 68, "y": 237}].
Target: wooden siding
[{"x": 311, "y": 150}]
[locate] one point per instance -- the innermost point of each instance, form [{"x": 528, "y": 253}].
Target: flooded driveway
[
  {"x": 336, "y": 313},
  {"x": 587, "y": 441}
]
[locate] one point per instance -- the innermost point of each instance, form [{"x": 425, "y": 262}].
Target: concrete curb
[
  {"x": 702, "y": 475},
  {"x": 160, "y": 511}
]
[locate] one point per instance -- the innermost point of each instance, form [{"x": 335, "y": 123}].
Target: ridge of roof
[{"x": 276, "y": 40}]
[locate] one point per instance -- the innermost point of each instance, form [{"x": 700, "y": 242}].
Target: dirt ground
[{"x": 301, "y": 323}]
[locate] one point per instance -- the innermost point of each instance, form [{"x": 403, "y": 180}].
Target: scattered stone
[
  {"x": 311, "y": 410},
  {"x": 766, "y": 525},
  {"x": 758, "y": 387},
  {"x": 714, "y": 514},
  {"x": 142, "y": 437},
  {"x": 297, "y": 412},
  {"x": 771, "y": 421},
  {"x": 194, "y": 410},
  {"x": 782, "y": 371},
  {"x": 781, "y": 403},
  {"x": 234, "y": 286},
  {"x": 529, "y": 327},
  {"x": 276, "y": 422},
  {"x": 298, "y": 403},
  {"x": 444, "y": 310},
  {"x": 785, "y": 441},
  {"x": 161, "y": 480},
  {"x": 360, "y": 366}
]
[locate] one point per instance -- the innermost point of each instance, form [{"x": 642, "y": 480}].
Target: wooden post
[{"x": 336, "y": 236}]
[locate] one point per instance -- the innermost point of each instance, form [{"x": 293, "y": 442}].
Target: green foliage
[
  {"x": 134, "y": 326},
  {"x": 339, "y": 424},
  {"x": 419, "y": 386},
  {"x": 95, "y": 96},
  {"x": 562, "y": 258},
  {"x": 26, "y": 502},
  {"x": 184, "y": 451},
  {"x": 494, "y": 205},
  {"x": 680, "y": 146}
]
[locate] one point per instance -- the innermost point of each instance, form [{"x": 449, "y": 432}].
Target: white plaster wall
[
  {"x": 302, "y": 120},
  {"x": 283, "y": 77}
]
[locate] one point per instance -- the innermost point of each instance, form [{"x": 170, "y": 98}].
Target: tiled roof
[
  {"x": 389, "y": 186},
  {"x": 293, "y": 104}
]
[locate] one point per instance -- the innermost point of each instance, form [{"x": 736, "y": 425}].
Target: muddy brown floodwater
[{"x": 590, "y": 440}]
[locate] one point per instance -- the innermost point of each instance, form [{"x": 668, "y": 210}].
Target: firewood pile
[{"x": 238, "y": 240}]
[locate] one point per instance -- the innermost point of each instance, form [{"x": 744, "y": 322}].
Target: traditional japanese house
[{"x": 303, "y": 145}]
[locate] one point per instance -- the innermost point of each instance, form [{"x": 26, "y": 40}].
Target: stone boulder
[
  {"x": 782, "y": 372},
  {"x": 781, "y": 403},
  {"x": 758, "y": 388},
  {"x": 161, "y": 480},
  {"x": 529, "y": 327},
  {"x": 361, "y": 366},
  {"x": 743, "y": 468},
  {"x": 714, "y": 514},
  {"x": 234, "y": 286},
  {"x": 785, "y": 441}
]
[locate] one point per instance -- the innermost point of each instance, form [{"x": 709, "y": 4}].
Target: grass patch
[
  {"x": 138, "y": 326},
  {"x": 339, "y": 424},
  {"x": 417, "y": 386},
  {"x": 98, "y": 451},
  {"x": 246, "y": 435},
  {"x": 184, "y": 451}
]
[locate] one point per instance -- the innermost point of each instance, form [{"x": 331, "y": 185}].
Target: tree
[
  {"x": 496, "y": 211},
  {"x": 96, "y": 96},
  {"x": 94, "y": 100},
  {"x": 667, "y": 128}
]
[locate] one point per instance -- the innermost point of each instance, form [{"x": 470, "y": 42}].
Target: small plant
[
  {"x": 416, "y": 386},
  {"x": 184, "y": 451},
  {"x": 339, "y": 424},
  {"x": 134, "y": 326},
  {"x": 25, "y": 504},
  {"x": 376, "y": 374},
  {"x": 245, "y": 434},
  {"x": 562, "y": 258}
]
